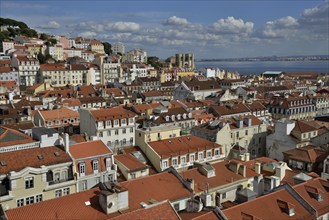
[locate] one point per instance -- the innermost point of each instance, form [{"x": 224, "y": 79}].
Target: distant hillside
[{"x": 15, "y": 28}]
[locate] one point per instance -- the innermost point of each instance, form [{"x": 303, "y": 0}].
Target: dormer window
[
  {"x": 167, "y": 118},
  {"x": 178, "y": 117},
  {"x": 116, "y": 122},
  {"x": 108, "y": 123},
  {"x": 123, "y": 121},
  {"x": 82, "y": 169},
  {"x": 95, "y": 166}
]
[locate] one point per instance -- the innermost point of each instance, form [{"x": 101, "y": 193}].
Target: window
[
  {"x": 58, "y": 193},
  {"x": 109, "y": 143},
  {"x": 116, "y": 142},
  {"x": 133, "y": 175},
  {"x": 108, "y": 123},
  {"x": 57, "y": 177},
  {"x": 100, "y": 134},
  {"x": 29, "y": 182},
  {"x": 131, "y": 140},
  {"x": 259, "y": 140},
  {"x": 123, "y": 121},
  {"x": 108, "y": 133},
  {"x": 208, "y": 154},
  {"x": 20, "y": 202},
  {"x": 176, "y": 206},
  {"x": 64, "y": 174},
  {"x": 164, "y": 164},
  {"x": 183, "y": 160},
  {"x": 216, "y": 152},
  {"x": 246, "y": 132},
  {"x": 123, "y": 131},
  {"x": 29, "y": 200},
  {"x": 95, "y": 165},
  {"x": 38, "y": 198},
  {"x": 116, "y": 132},
  {"x": 82, "y": 169},
  {"x": 110, "y": 178},
  {"x": 237, "y": 134},
  {"x": 174, "y": 161},
  {"x": 224, "y": 195},
  {"x": 84, "y": 185},
  {"x": 116, "y": 122},
  {"x": 124, "y": 141},
  {"x": 66, "y": 191},
  {"x": 191, "y": 157},
  {"x": 200, "y": 156},
  {"x": 131, "y": 120},
  {"x": 108, "y": 162},
  {"x": 131, "y": 130}
]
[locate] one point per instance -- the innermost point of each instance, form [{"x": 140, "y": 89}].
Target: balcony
[
  {"x": 60, "y": 181},
  {"x": 55, "y": 184}
]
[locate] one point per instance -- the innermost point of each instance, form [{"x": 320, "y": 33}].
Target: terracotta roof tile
[
  {"x": 130, "y": 162},
  {"x": 158, "y": 211},
  {"x": 111, "y": 113},
  {"x": 11, "y": 137},
  {"x": 20, "y": 159},
  {"x": 181, "y": 145},
  {"x": 252, "y": 208},
  {"x": 61, "y": 113},
  {"x": 89, "y": 149}
]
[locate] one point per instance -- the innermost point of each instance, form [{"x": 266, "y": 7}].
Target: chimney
[
  {"x": 258, "y": 167},
  {"x": 247, "y": 156},
  {"x": 242, "y": 157},
  {"x": 280, "y": 171},
  {"x": 240, "y": 123},
  {"x": 113, "y": 198},
  {"x": 242, "y": 170},
  {"x": 66, "y": 142},
  {"x": 191, "y": 183}
]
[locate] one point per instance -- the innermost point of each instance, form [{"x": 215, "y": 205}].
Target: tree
[
  {"x": 107, "y": 48},
  {"x": 43, "y": 36},
  {"x": 52, "y": 41},
  {"x": 155, "y": 62}
]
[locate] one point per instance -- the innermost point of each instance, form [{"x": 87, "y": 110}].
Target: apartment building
[
  {"x": 33, "y": 175},
  {"x": 27, "y": 67},
  {"x": 55, "y": 52},
  {"x": 182, "y": 152},
  {"x": 93, "y": 164},
  {"x": 246, "y": 131},
  {"x": 114, "y": 126},
  {"x": 297, "y": 108},
  {"x": 61, "y": 75}
]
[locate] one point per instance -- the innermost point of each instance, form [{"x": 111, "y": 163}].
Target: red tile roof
[
  {"x": 302, "y": 127},
  {"x": 111, "y": 113},
  {"x": 11, "y": 137},
  {"x": 315, "y": 186},
  {"x": 59, "y": 114},
  {"x": 181, "y": 145},
  {"x": 259, "y": 208},
  {"x": 73, "y": 206},
  {"x": 89, "y": 149},
  {"x": 157, "y": 211},
  {"x": 20, "y": 159},
  {"x": 307, "y": 154},
  {"x": 158, "y": 187},
  {"x": 130, "y": 162},
  {"x": 223, "y": 177}
]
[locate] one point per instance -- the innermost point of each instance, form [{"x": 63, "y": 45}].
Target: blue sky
[{"x": 209, "y": 29}]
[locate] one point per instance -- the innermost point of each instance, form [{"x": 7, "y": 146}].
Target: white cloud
[
  {"x": 88, "y": 34},
  {"x": 176, "y": 21},
  {"x": 316, "y": 16},
  {"x": 50, "y": 25},
  {"x": 230, "y": 25},
  {"x": 122, "y": 26}
]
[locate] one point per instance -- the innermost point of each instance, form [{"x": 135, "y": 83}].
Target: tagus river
[{"x": 258, "y": 67}]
